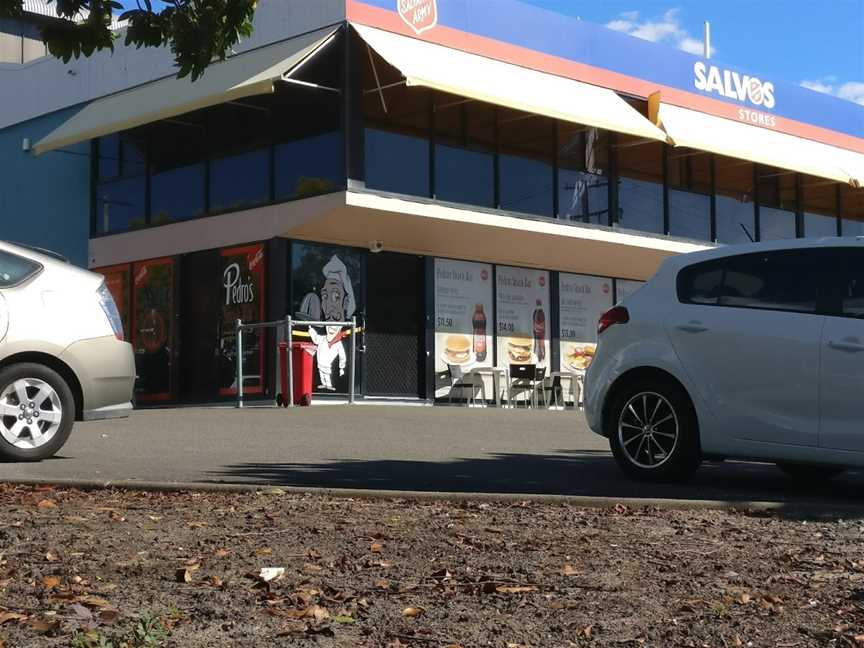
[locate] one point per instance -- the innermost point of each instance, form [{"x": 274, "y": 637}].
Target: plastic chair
[
  {"x": 461, "y": 380},
  {"x": 526, "y": 379}
]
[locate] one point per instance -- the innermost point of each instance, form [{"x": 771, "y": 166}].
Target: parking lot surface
[{"x": 445, "y": 449}]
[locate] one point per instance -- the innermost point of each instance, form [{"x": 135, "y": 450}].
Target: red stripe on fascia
[{"x": 364, "y": 14}]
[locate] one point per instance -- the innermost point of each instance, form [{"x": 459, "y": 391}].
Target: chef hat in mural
[{"x": 335, "y": 270}]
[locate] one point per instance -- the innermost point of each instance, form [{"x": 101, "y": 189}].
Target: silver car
[{"x": 62, "y": 354}]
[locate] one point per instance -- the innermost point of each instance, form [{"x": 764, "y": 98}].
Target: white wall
[{"x": 48, "y": 85}]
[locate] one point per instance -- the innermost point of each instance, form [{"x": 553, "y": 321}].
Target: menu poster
[
  {"x": 463, "y": 315},
  {"x": 242, "y": 292},
  {"x": 117, "y": 282},
  {"x": 626, "y": 287},
  {"x": 582, "y": 300},
  {"x": 152, "y": 331},
  {"x": 523, "y": 316}
]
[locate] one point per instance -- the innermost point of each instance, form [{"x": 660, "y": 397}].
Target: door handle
[
  {"x": 849, "y": 346},
  {"x": 692, "y": 327}
]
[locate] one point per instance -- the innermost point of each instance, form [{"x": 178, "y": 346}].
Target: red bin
[{"x": 302, "y": 354}]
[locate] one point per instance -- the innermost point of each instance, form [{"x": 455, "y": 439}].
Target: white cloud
[
  {"x": 851, "y": 90},
  {"x": 665, "y": 29}
]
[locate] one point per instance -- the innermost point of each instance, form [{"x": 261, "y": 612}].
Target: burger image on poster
[
  {"x": 336, "y": 303},
  {"x": 457, "y": 349},
  {"x": 519, "y": 349}
]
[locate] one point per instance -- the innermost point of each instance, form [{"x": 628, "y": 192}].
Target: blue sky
[{"x": 817, "y": 43}]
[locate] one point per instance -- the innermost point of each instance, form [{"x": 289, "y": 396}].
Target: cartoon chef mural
[{"x": 337, "y": 304}]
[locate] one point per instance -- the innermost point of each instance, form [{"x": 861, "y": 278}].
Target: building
[{"x": 474, "y": 182}]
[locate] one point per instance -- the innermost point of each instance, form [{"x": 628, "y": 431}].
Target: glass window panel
[
  {"x": 120, "y": 205},
  {"x": 177, "y": 194},
  {"x": 464, "y": 176},
  {"x": 15, "y": 269},
  {"x": 10, "y": 48},
  {"x": 852, "y": 209},
  {"x": 690, "y": 170},
  {"x": 397, "y": 162},
  {"x": 776, "y": 281},
  {"x": 526, "y": 185},
  {"x": 819, "y": 204},
  {"x": 819, "y": 225},
  {"x": 108, "y": 148},
  {"x": 850, "y": 282},
  {"x": 640, "y": 186},
  {"x": 309, "y": 167},
  {"x": 583, "y": 182},
  {"x": 732, "y": 214},
  {"x": 777, "y": 188},
  {"x": 689, "y": 215},
  {"x": 776, "y": 224},
  {"x": 734, "y": 200},
  {"x": 240, "y": 181}
]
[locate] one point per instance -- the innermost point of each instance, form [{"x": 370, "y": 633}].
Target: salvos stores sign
[{"x": 743, "y": 88}]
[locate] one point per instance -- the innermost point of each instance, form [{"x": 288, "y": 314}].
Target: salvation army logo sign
[{"x": 419, "y": 15}]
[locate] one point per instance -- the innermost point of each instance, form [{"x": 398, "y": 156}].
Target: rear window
[
  {"x": 15, "y": 269},
  {"x": 787, "y": 281},
  {"x": 700, "y": 283}
]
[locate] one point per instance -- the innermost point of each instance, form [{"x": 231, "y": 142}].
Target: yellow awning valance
[
  {"x": 733, "y": 139},
  {"x": 243, "y": 75},
  {"x": 504, "y": 84}
]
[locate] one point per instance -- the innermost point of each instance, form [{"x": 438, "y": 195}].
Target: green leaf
[{"x": 344, "y": 619}]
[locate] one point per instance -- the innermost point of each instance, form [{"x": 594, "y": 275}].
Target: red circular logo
[
  {"x": 484, "y": 275},
  {"x": 542, "y": 280},
  {"x": 605, "y": 289},
  {"x": 153, "y": 331}
]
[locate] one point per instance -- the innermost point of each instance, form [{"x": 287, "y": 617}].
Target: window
[
  {"x": 819, "y": 204},
  {"x": 464, "y": 151},
  {"x": 777, "y": 204},
  {"x": 787, "y": 281},
  {"x": 700, "y": 283},
  {"x": 640, "y": 185},
  {"x": 527, "y": 148},
  {"x": 734, "y": 208},
  {"x": 177, "y": 169},
  {"x": 121, "y": 182},
  {"x": 583, "y": 174},
  {"x": 852, "y": 210},
  {"x": 850, "y": 283},
  {"x": 689, "y": 194},
  {"x": 238, "y": 136},
  {"x": 15, "y": 269}
]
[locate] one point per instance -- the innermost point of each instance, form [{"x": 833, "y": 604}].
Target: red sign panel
[
  {"x": 419, "y": 15},
  {"x": 152, "y": 327}
]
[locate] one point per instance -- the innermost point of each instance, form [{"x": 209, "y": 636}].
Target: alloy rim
[
  {"x": 648, "y": 430},
  {"x": 30, "y": 413}
]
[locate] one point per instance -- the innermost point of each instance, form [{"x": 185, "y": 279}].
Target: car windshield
[{"x": 15, "y": 269}]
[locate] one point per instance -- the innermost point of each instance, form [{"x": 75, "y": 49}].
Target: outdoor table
[
  {"x": 576, "y": 379},
  {"x": 497, "y": 373}
]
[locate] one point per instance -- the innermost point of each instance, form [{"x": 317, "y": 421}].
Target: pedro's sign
[{"x": 419, "y": 15}]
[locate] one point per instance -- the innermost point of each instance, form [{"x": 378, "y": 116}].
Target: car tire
[
  {"x": 653, "y": 431},
  {"x": 49, "y": 412},
  {"x": 811, "y": 473}
]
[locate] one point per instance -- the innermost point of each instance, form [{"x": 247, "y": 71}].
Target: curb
[{"x": 808, "y": 508}]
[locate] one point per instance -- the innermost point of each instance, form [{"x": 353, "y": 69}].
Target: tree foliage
[{"x": 198, "y": 32}]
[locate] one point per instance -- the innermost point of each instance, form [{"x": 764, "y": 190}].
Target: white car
[
  {"x": 62, "y": 354},
  {"x": 750, "y": 352}
]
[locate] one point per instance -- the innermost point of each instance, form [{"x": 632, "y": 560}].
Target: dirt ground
[{"x": 107, "y": 569}]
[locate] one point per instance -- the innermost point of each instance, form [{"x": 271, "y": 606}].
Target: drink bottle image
[
  {"x": 539, "y": 332},
  {"x": 479, "y": 325}
]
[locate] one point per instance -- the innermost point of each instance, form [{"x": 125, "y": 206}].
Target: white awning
[
  {"x": 704, "y": 132},
  {"x": 503, "y": 84},
  {"x": 243, "y": 75}
]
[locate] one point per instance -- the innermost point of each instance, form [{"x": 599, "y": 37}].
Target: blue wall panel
[{"x": 45, "y": 201}]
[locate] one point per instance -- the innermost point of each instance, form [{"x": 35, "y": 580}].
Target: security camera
[{"x": 376, "y": 246}]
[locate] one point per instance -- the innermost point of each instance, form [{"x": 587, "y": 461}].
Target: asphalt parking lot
[{"x": 439, "y": 449}]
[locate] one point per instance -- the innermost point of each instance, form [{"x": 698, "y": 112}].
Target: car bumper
[{"x": 105, "y": 368}]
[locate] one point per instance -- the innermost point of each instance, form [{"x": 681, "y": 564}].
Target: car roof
[
  {"x": 723, "y": 251},
  {"x": 46, "y": 259}
]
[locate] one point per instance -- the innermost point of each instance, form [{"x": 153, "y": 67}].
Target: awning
[
  {"x": 723, "y": 136},
  {"x": 495, "y": 82},
  {"x": 243, "y": 75}
]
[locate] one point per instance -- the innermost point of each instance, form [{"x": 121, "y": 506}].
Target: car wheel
[
  {"x": 810, "y": 473},
  {"x": 653, "y": 431},
  {"x": 37, "y": 411}
]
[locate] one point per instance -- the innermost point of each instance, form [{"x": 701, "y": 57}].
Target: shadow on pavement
[{"x": 591, "y": 473}]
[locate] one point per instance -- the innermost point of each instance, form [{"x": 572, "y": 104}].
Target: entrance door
[
  {"x": 394, "y": 326},
  {"x": 199, "y": 322}
]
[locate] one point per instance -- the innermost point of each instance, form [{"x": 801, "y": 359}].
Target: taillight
[
  {"x": 109, "y": 307},
  {"x": 616, "y": 315}
]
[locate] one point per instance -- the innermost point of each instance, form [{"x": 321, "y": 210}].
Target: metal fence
[{"x": 288, "y": 325}]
